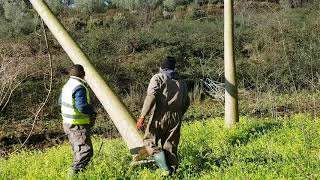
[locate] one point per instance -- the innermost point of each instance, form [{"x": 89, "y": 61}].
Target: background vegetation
[{"x": 277, "y": 52}]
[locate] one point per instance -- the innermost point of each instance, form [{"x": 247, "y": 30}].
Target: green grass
[{"x": 287, "y": 148}]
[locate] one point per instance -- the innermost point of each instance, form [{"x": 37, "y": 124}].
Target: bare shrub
[
  {"x": 293, "y": 3},
  {"x": 16, "y": 64}
]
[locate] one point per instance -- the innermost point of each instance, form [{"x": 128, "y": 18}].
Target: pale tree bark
[
  {"x": 231, "y": 92},
  {"x": 110, "y": 101}
]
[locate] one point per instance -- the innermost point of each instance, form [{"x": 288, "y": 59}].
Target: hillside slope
[{"x": 287, "y": 148}]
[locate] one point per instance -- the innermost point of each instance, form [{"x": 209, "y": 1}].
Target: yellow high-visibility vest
[{"x": 69, "y": 112}]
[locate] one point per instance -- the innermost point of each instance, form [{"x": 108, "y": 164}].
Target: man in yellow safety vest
[{"x": 78, "y": 117}]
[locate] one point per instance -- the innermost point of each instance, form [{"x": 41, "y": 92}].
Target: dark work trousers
[
  {"x": 79, "y": 138},
  {"x": 167, "y": 130}
]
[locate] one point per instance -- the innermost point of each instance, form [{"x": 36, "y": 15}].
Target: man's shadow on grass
[
  {"x": 204, "y": 160},
  {"x": 254, "y": 131}
]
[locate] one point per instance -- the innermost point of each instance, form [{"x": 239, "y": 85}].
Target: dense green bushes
[
  {"x": 15, "y": 18},
  {"x": 55, "y": 6},
  {"x": 277, "y": 51},
  {"x": 88, "y": 6},
  {"x": 282, "y": 53},
  {"x": 274, "y": 51}
]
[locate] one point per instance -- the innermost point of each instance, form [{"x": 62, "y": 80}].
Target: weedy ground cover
[{"x": 283, "y": 148}]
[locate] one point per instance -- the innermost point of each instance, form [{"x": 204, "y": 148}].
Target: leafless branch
[{"x": 49, "y": 90}]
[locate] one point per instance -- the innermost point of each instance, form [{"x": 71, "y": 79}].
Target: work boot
[
  {"x": 173, "y": 170},
  {"x": 160, "y": 160}
]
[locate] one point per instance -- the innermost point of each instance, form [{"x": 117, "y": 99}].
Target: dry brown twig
[
  {"x": 49, "y": 90},
  {"x": 14, "y": 69},
  {"x": 12, "y": 90}
]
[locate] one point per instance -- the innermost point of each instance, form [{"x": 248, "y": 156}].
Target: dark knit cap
[
  {"x": 76, "y": 70},
  {"x": 168, "y": 63}
]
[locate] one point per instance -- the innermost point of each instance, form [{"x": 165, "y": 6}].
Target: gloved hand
[
  {"x": 93, "y": 118},
  {"x": 140, "y": 123}
]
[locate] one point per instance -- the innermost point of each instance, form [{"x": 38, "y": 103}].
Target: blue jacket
[{"x": 79, "y": 95}]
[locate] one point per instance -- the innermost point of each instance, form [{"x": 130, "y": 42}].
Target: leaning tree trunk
[{"x": 112, "y": 104}]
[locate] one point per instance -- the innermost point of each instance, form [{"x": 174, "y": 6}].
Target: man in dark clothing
[
  {"x": 78, "y": 117},
  {"x": 167, "y": 100}
]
